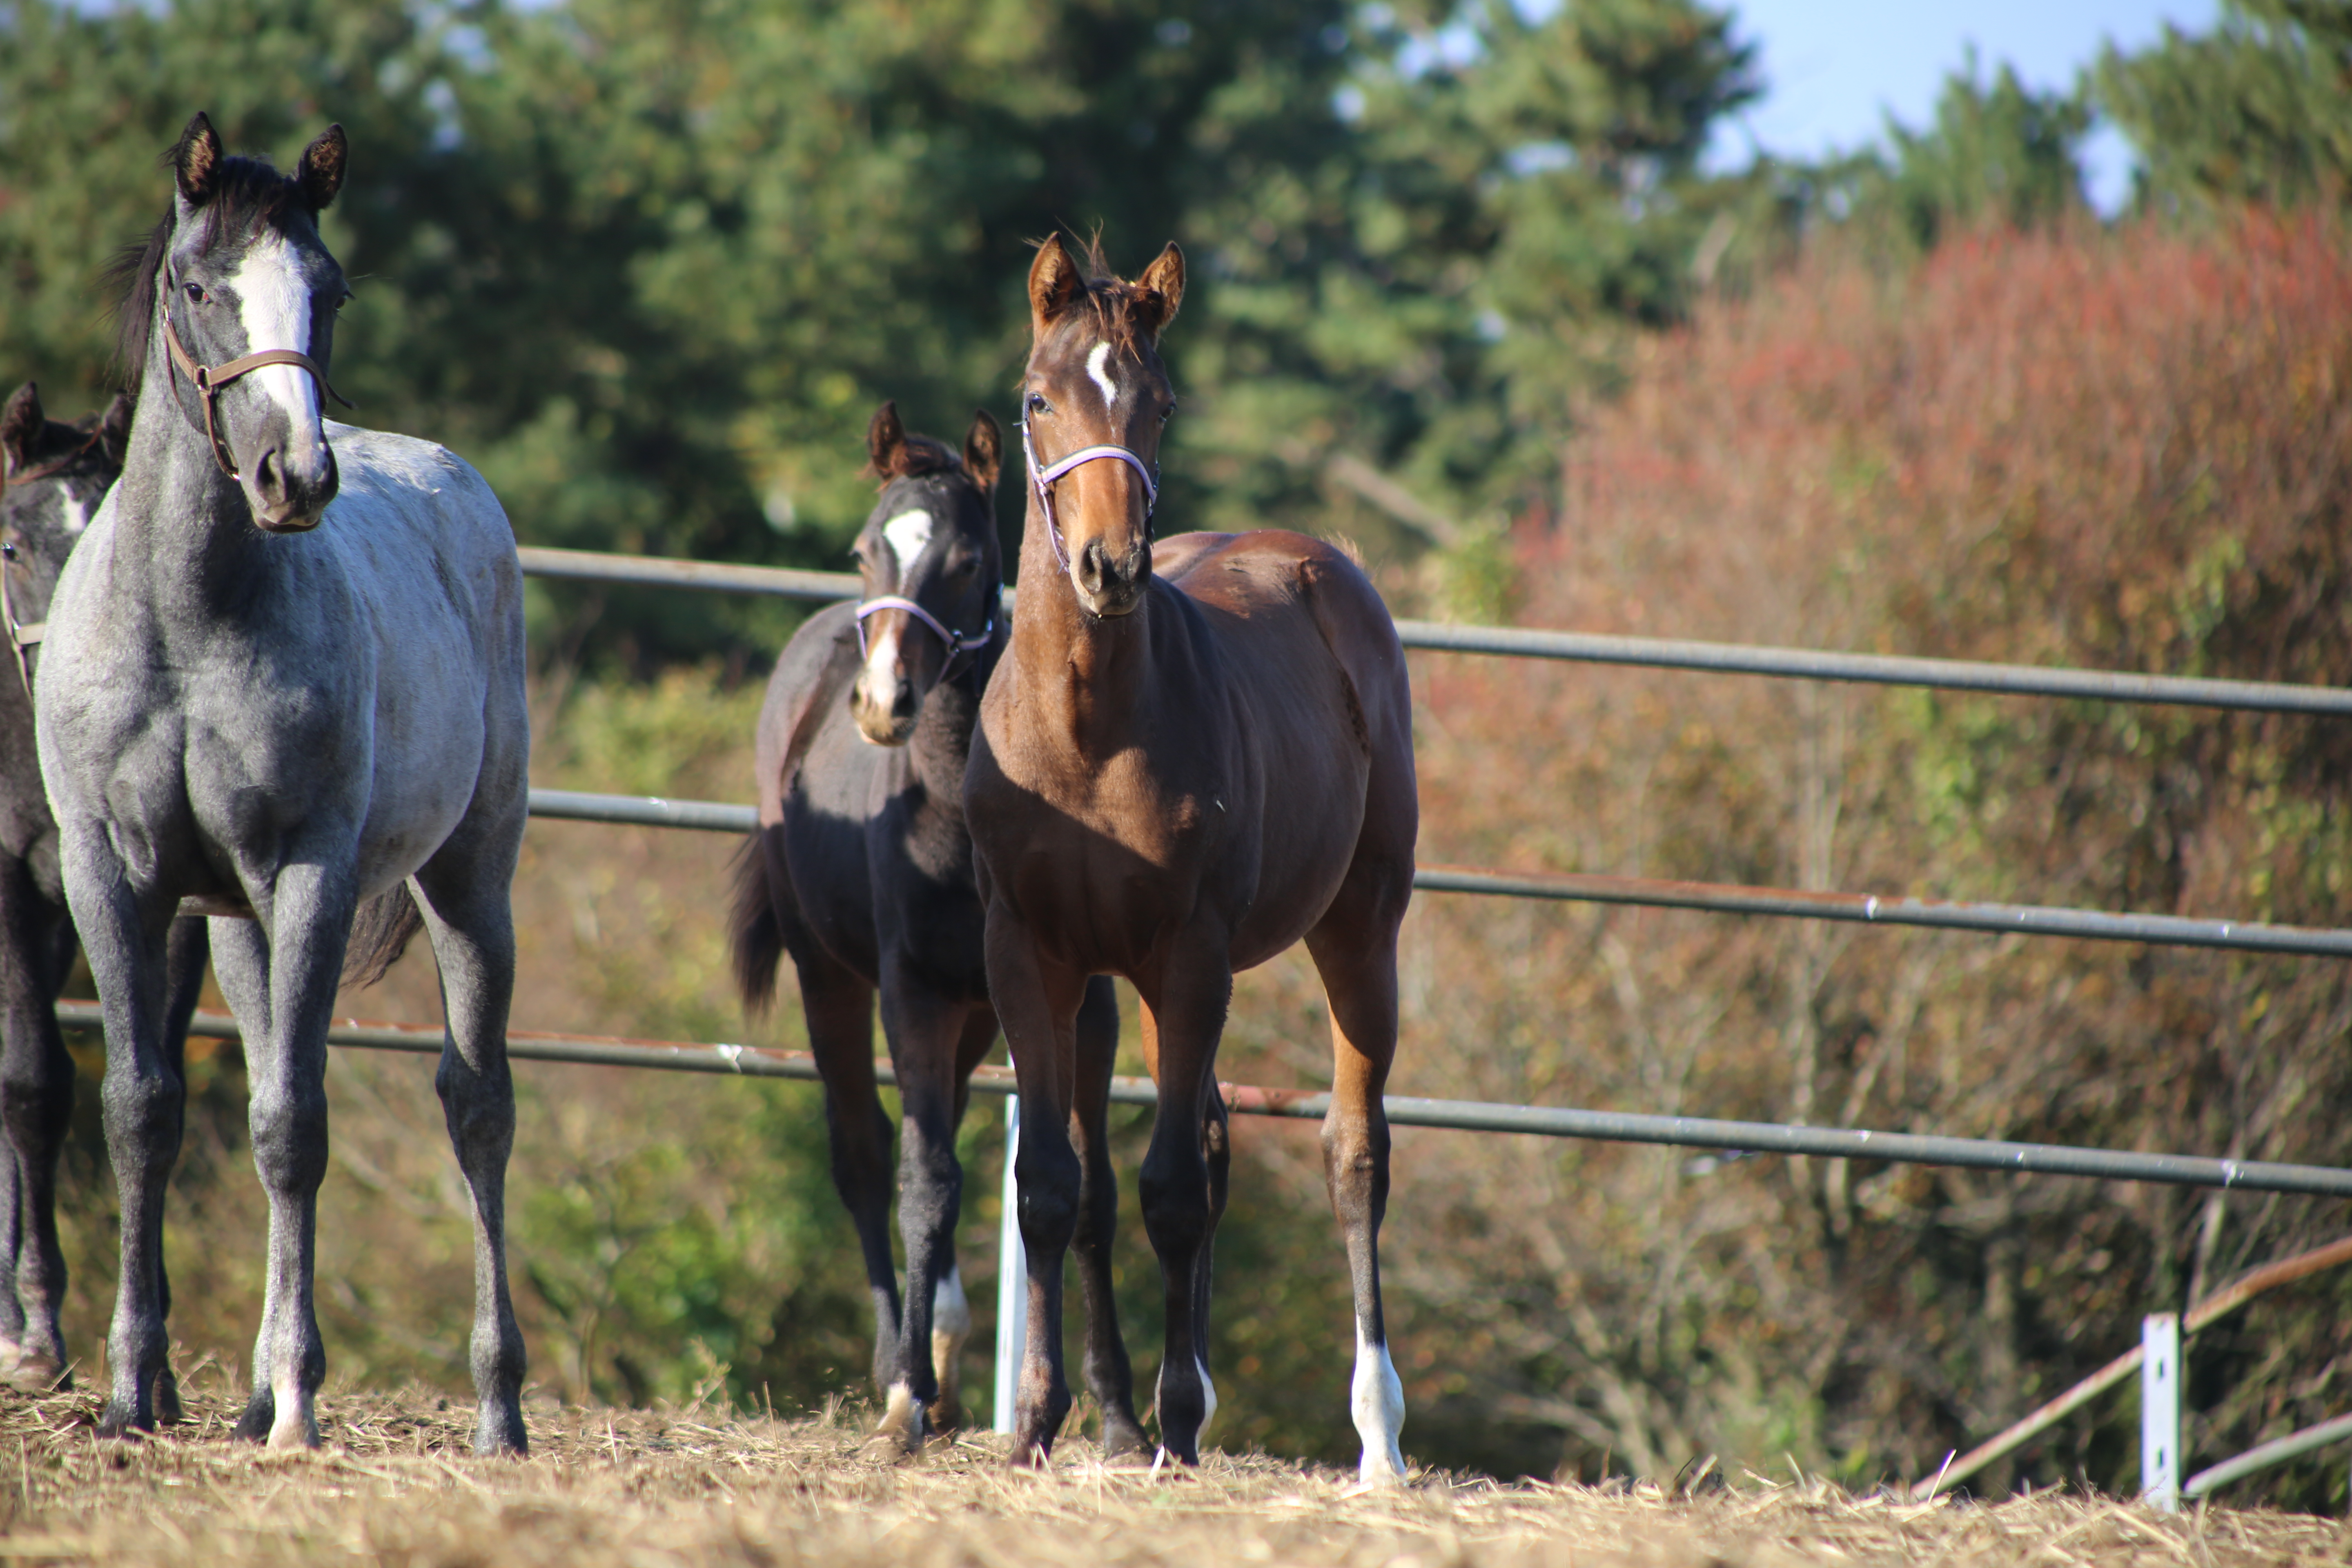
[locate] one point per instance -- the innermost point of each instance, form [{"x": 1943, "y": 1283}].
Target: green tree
[{"x": 2258, "y": 109}]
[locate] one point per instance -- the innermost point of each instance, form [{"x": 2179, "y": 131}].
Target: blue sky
[{"x": 1833, "y": 69}]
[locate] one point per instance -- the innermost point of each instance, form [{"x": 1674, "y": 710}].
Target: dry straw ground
[{"x": 396, "y": 1484}]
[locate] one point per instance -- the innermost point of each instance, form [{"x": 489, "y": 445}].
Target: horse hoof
[
  {"x": 295, "y": 1436},
  {"x": 167, "y": 1398},
  {"x": 889, "y": 1449},
  {"x": 1124, "y": 1438},
  {"x": 260, "y": 1415},
  {"x": 117, "y": 1421},
  {"x": 1037, "y": 1456},
  {"x": 34, "y": 1372},
  {"x": 499, "y": 1434},
  {"x": 944, "y": 1415}
]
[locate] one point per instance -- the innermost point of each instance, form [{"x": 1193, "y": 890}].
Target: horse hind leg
[
  {"x": 1109, "y": 1371},
  {"x": 184, "y": 954},
  {"x": 462, "y": 894},
  {"x": 1356, "y": 960}
]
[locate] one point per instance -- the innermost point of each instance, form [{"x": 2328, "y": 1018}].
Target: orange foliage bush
[{"x": 2123, "y": 450}]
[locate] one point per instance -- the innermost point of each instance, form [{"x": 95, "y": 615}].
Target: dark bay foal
[
  {"x": 52, "y": 477},
  {"x": 1195, "y": 754},
  {"x": 861, "y": 870}
]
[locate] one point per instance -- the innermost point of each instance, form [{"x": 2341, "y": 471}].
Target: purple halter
[
  {"x": 958, "y": 644},
  {"x": 1042, "y": 481}
]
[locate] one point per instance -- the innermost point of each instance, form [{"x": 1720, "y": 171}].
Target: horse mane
[
  {"x": 1114, "y": 299},
  {"x": 247, "y": 193}
]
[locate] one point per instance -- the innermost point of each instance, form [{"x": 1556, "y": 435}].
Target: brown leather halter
[
  {"x": 24, "y": 637},
  {"x": 210, "y": 378}
]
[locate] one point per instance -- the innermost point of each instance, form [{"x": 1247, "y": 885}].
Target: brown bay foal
[{"x": 1194, "y": 754}]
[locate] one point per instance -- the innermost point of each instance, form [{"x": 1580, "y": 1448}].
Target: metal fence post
[
  {"x": 1011, "y": 1277},
  {"x": 2159, "y": 1412}
]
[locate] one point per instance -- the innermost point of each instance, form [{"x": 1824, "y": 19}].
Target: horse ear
[
  {"x": 1165, "y": 279},
  {"x": 21, "y": 423},
  {"x": 114, "y": 429},
  {"x": 320, "y": 173},
  {"x": 1054, "y": 283},
  {"x": 983, "y": 450},
  {"x": 196, "y": 160},
  {"x": 886, "y": 441}
]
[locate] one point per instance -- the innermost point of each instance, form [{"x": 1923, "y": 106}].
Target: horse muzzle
[
  {"x": 1111, "y": 586},
  {"x": 288, "y": 485},
  {"x": 885, "y": 709}
]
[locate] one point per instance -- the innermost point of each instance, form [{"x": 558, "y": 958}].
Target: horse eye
[
  {"x": 8, "y": 550},
  {"x": 197, "y": 293},
  {"x": 341, "y": 302},
  {"x": 1037, "y": 403}
]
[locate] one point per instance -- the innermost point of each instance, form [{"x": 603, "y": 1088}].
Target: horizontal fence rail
[
  {"x": 1587, "y": 648},
  {"x": 2278, "y": 1451},
  {"x": 1861, "y": 909},
  {"x": 1403, "y": 1110}
]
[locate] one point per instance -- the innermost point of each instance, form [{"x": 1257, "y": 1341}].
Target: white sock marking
[
  {"x": 951, "y": 1313},
  {"x": 907, "y": 534},
  {"x": 1376, "y": 1399},
  {"x": 1208, "y": 1400},
  {"x": 1098, "y": 367},
  {"x": 273, "y": 303}
]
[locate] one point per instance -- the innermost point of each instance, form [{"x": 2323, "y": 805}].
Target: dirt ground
[{"x": 396, "y": 1484}]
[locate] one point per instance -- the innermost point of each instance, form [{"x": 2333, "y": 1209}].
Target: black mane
[{"x": 246, "y": 193}]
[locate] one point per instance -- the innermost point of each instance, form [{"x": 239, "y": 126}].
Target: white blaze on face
[
  {"x": 76, "y": 515},
  {"x": 273, "y": 303},
  {"x": 907, "y": 535},
  {"x": 1098, "y": 367}
]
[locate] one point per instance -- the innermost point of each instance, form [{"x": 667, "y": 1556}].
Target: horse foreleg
[
  {"x": 1360, "y": 980},
  {"x": 143, "y": 1100},
  {"x": 1185, "y": 1014},
  {"x": 1037, "y": 1004},
  {"x": 35, "y": 1108},
  {"x": 838, "y": 1005},
  {"x": 926, "y": 1032},
  {"x": 1109, "y": 1371},
  {"x": 309, "y": 922}
]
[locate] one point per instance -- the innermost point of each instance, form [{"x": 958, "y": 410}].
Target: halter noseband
[
  {"x": 24, "y": 636},
  {"x": 1042, "y": 481},
  {"x": 209, "y": 379},
  {"x": 958, "y": 643}
]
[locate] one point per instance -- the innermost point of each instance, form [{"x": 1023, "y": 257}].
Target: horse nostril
[{"x": 270, "y": 473}]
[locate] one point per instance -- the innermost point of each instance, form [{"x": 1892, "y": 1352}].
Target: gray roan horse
[
  {"x": 52, "y": 477},
  {"x": 861, "y": 870},
  {"x": 279, "y": 709}
]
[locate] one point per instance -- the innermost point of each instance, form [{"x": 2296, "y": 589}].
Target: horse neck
[
  {"x": 941, "y": 743},
  {"x": 1084, "y": 679},
  {"x": 184, "y": 539}
]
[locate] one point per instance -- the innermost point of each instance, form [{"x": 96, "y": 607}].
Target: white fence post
[
  {"x": 2159, "y": 1412},
  {"x": 1011, "y": 1277}
]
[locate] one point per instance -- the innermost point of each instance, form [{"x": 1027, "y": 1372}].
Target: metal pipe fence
[
  {"x": 2265, "y": 697},
  {"x": 1585, "y": 647}
]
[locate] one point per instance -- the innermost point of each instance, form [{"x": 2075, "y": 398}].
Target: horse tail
[
  {"x": 754, "y": 931},
  {"x": 380, "y": 935}
]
